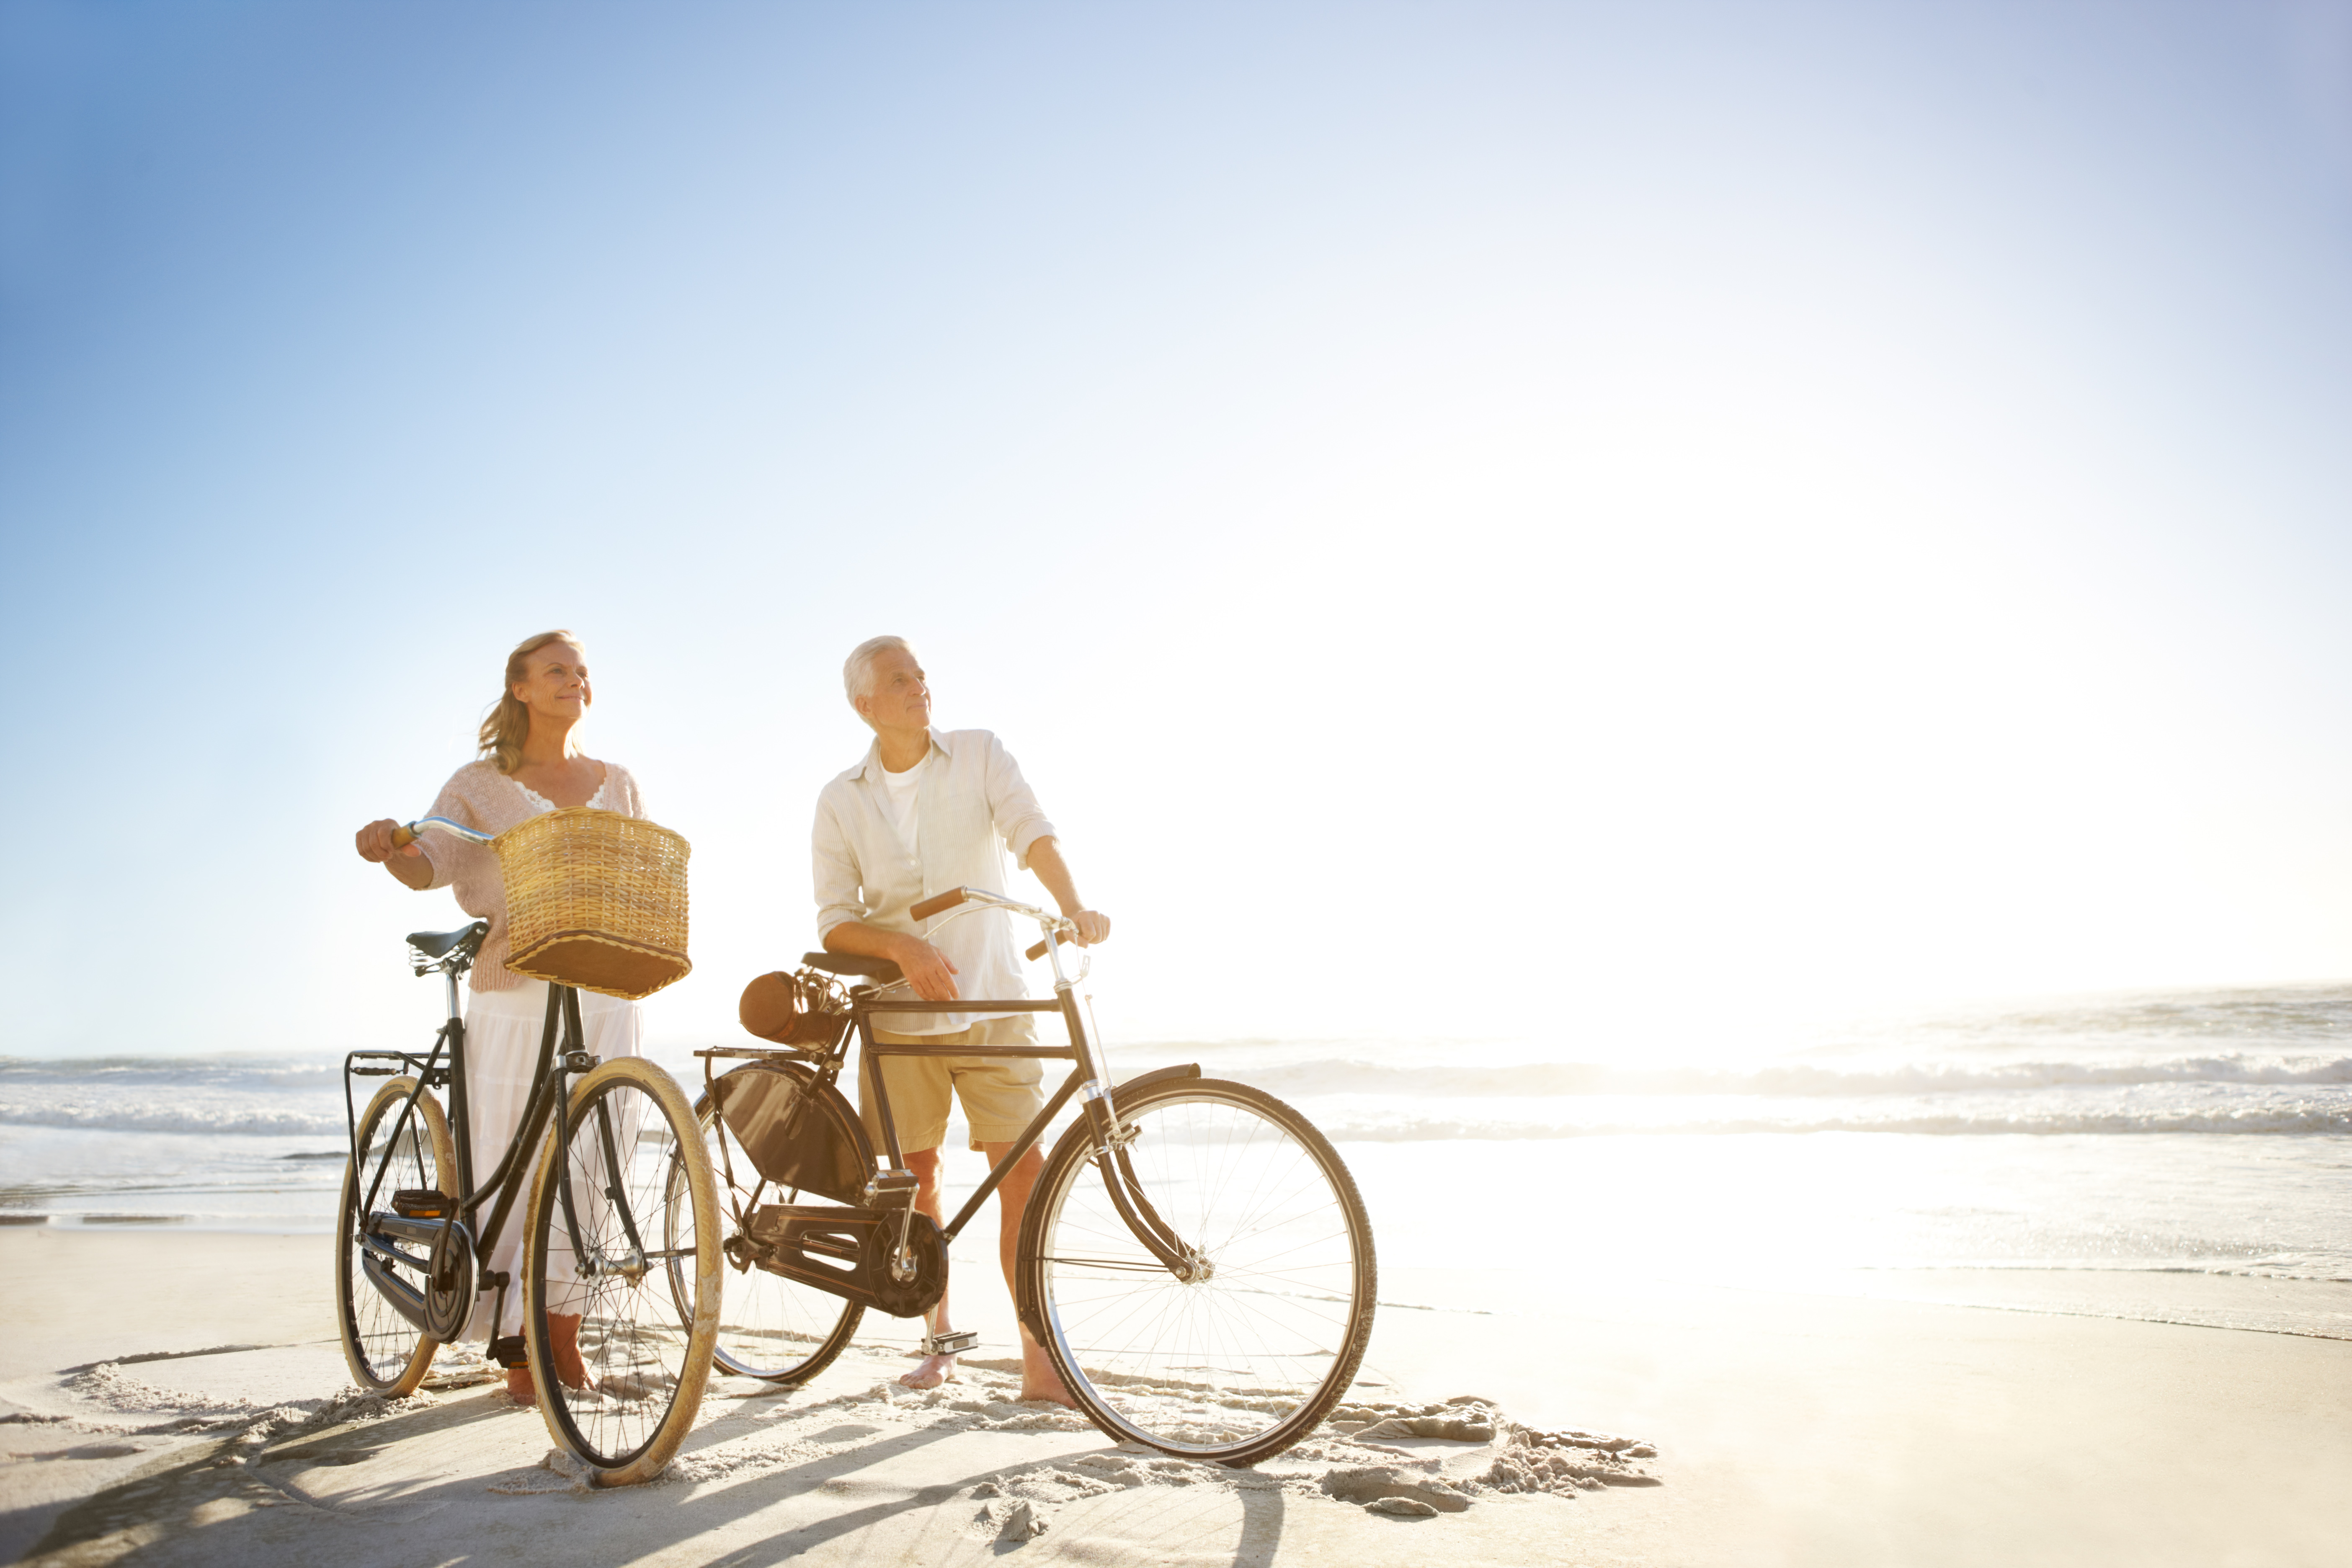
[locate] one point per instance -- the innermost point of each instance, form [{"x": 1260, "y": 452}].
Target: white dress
[{"x": 502, "y": 1031}]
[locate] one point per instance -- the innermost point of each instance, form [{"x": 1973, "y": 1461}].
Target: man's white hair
[{"x": 857, "y": 673}]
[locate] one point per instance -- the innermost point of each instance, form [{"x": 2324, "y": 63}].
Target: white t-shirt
[
  {"x": 979, "y": 807},
  {"x": 903, "y": 788}
]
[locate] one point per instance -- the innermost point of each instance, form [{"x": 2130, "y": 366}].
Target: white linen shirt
[{"x": 971, "y": 798}]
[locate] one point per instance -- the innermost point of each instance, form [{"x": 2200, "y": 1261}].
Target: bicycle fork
[{"x": 1110, "y": 1138}]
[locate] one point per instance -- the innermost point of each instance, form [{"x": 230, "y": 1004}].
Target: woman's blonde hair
[{"x": 509, "y": 721}]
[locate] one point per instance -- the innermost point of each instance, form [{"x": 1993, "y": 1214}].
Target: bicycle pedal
[
  {"x": 891, "y": 1189},
  {"x": 508, "y": 1351},
  {"x": 955, "y": 1343},
  {"x": 420, "y": 1203}
]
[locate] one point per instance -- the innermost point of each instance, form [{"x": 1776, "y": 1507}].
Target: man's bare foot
[
  {"x": 929, "y": 1373},
  {"x": 1038, "y": 1378},
  {"x": 519, "y": 1385}
]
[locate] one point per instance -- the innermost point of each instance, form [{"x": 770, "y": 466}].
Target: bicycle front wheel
[
  {"x": 770, "y": 1327},
  {"x": 642, "y": 1283},
  {"x": 1246, "y": 1357},
  {"x": 379, "y": 1282}
]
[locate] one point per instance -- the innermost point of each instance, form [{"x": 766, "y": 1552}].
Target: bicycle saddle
[
  {"x": 439, "y": 944},
  {"x": 852, "y": 964}
]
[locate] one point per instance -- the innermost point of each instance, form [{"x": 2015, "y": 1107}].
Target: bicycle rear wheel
[
  {"x": 381, "y": 1324},
  {"x": 1245, "y": 1360},
  {"x": 645, "y": 1287},
  {"x": 769, "y": 1327}
]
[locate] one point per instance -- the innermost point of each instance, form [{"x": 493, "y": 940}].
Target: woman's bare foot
[
  {"x": 929, "y": 1373},
  {"x": 519, "y": 1385},
  {"x": 564, "y": 1338}
]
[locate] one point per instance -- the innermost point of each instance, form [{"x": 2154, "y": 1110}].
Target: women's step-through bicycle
[
  {"x": 1194, "y": 1258},
  {"x": 622, "y": 1228}
]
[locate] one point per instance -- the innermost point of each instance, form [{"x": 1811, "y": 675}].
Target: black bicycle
[
  {"x": 623, "y": 1221},
  {"x": 1195, "y": 1258}
]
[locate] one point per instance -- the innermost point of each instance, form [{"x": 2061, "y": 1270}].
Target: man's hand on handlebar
[
  {"x": 927, "y": 969},
  {"x": 1046, "y": 860}
]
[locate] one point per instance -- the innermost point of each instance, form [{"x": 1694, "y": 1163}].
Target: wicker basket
[{"x": 596, "y": 900}]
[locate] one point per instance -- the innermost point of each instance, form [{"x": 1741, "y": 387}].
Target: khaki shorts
[{"x": 1000, "y": 1095}]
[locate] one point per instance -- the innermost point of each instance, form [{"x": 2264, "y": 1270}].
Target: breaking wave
[
  {"x": 2319, "y": 1119},
  {"x": 249, "y": 1120},
  {"x": 1334, "y": 1075}
]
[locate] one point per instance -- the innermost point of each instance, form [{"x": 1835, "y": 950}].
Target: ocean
[{"x": 2078, "y": 1155}]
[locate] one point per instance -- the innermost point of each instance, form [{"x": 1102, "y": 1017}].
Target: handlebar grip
[
  {"x": 402, "y": 837},
  {"x": 936, "y": 904},
  {"x": 1037, "y": 952}
]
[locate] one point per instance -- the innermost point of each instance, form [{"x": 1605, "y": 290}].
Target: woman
[{"x": 530, "y": 763}]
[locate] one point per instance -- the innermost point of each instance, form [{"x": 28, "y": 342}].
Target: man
[{"x": 925, "y": 812}]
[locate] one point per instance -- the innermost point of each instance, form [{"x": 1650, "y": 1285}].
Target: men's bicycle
[{"x": 1195, "y": 1258}]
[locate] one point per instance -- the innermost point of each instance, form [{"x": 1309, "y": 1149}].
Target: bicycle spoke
[
  {"x": 632, "y": 1337},
  {"x": 770, "y": 1327},
  {"x": 401, "y": 1147},
  {"x": 1244, "y": 1359}
]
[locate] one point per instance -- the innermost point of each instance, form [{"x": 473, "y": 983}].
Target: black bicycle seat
[
  {"x": 440, "y": 944},
  {"x": 852, "y": 964}
]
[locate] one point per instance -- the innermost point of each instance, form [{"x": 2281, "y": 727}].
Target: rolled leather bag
[
  {"x": 789, "y": 1011},
  {"x": 803, "y": 1138}
]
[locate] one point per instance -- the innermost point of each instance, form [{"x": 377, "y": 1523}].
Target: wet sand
[{"x": 1791, "y": 1428}]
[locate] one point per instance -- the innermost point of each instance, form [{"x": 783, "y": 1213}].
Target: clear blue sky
[{"x": 1711, "y": 512}]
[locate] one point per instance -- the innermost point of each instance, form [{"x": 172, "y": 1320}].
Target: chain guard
[
  {"x": 846, "y": 1252},
  {"x": 449, "y": 1287}
]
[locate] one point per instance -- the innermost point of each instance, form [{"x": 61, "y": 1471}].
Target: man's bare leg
[
  {"x": 932, "y": 1370},
  {"x": 1038, "y": 1378}
]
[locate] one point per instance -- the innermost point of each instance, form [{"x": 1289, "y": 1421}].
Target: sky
[{"x": 1652, "y": 528}]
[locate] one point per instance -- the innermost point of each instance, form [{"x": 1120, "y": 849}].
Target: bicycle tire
[
  {"x": 647, "y": 1354},
  {"x": 775, "y": 1329},
  {"x": 388, "y": 1353},
  {"x": 1236, "y": 1366}
]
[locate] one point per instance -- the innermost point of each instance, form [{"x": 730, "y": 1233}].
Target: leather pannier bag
[{"x": 800, "y": 1136}]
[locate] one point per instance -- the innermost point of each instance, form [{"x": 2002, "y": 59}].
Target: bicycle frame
[
  {"x": 504, "y": 1185},
  {"x": 1088, "y": 1078}
]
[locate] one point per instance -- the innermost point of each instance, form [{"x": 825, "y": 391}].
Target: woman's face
[{"x": 556, "y": 683}]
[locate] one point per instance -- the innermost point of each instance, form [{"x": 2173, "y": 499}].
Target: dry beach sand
[{"x": 1791, "y": 1428}]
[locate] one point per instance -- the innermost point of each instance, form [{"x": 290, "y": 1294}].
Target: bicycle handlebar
[
  {"x": 403, "y": 836},
  {"x": 939, "y": 903}
]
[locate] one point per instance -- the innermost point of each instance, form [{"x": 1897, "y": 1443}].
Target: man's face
[{"x": 900, "y": 697}]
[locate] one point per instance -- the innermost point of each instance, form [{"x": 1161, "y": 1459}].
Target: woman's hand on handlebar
[
  {"x": 405, "y": 861},
  {"x": 375, "y": 842}
]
